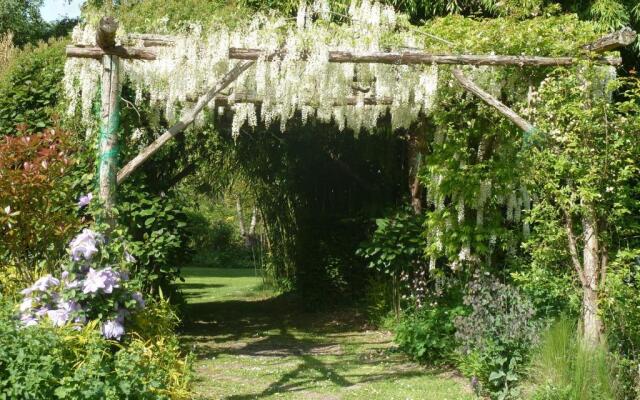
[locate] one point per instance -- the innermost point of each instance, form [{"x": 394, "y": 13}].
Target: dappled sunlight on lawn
[{"x": 251, "y": 344}]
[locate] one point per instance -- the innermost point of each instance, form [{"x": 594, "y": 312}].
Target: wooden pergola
[{"x": 110, "y": 54}]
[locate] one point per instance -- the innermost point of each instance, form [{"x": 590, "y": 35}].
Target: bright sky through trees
[{"x": 56, "y": 9}]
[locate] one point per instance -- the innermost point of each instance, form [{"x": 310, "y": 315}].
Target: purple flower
[
  {"x": 84, "y": 201},
  {"x": 106, "y": 280},
  {"x": 42, "y": 311},
  {"x": 28, "y": 320},
  {"x": 137, "y": 296},
  {"x": 58, "y": 317},
  {"x": 112, "y": 329},
  {"x": 41, "y": 285},
  {"x": 84, "y": 245},
  {"x": 26, "y": 304},
  {"x": 65, "y": 275},
  {"x": 74, "y": 284}
]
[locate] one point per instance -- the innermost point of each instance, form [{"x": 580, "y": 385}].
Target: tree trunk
[
  {"x": 243, "y": 231},
  {"x": 592, "y": 325}
]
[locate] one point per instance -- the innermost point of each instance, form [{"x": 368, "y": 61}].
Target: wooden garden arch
[{"x": 110, "y": 54}]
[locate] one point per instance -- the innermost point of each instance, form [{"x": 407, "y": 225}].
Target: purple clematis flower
[
  {"x": 41, "y": 285},
  {"x": 26, "y": 304},
  {"x": 58, "y": 317},
  {"x": 84, "y": 201},
  {"x": 112, "y": 329},
  {"x": 85, "y": 245},
  {"x": 28, "y": 320},
  {"x": 105, "y": 279}
]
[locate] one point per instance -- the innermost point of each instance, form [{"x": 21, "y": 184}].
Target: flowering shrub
[
  {"x": 69, "y": 362},
  {"x": 87, "y": 289},
  {"x": 36, "y": 220},
  {"x": 495, "y": 337}
]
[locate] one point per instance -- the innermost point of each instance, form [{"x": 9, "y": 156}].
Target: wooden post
[{"x": 109, "y": 119}]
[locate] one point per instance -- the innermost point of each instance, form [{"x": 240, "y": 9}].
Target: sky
[{"x": 55, "y": 9}]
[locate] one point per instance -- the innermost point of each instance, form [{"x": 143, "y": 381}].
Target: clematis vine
[{"x": 85, "y": 291}]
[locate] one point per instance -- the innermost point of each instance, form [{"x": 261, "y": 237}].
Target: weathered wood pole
[{"x": 109, "y": 118}]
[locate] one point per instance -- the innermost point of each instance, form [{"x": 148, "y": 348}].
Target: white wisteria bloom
[{"x": 298, "y": 81}]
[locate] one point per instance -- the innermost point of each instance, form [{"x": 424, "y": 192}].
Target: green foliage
[
  {"x": 30, "y": 88},
  {"x": 156, "y": 228},
  {"x": 495, "y": 336},
  {"x": 42, "y": 362},
  {"x": 427, "y": 334},
  {"x": 23, "y": 19},
  {"x": 395, "y": 244},
  {"x": 564, "y": 368}
]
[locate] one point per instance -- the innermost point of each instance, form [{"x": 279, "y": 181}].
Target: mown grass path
[{"x": 251, "y": 345}]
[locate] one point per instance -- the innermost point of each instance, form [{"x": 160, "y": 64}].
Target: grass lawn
[{"x": 252, "y": 345}]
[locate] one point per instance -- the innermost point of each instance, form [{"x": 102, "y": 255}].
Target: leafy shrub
[
  {"x": 395, "y": 249},
  {"x": 428, "y": 334},
  {"x": 156, "y": 235},
  {"x": 496, "y": 336},
  {"x": 30, "y": 88},
  {"x": 43, "y": 362},
  {"x": 38, "y": 216},
  {"x": 564, "y": 368}
]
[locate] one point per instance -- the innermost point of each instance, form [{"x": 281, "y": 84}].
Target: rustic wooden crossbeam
[
  {"x": 225, "y": 101},
  {"x": 398, "y": 58},
  {"x": 612, "y": 41},
  {"x": 128, "y": 53},
  {"x": 419, "y": 57}
]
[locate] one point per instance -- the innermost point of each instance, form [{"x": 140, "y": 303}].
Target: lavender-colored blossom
[
  {"x": 85, "y": 245},
  {"x": 58, "y": 317},
  {"x": 41, "y": 285},
  {"x": 112, "y": 329},
  {"x": 28, "y": 320},
  {"x": 65, "y": 275},
  {"x": 106, "y": 280},
  {"x": 137, "y": 296},
  {"x": 84, "y": 201},
  {"x": 74, "y": 284},
  {"x": 26, "y": 304},
  {"x": 42, "y": 311}
]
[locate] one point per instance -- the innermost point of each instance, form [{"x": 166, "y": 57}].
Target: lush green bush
[
  {"x": 43, "y": 362},
  {"x": 564, "y": 368},
  {"x": 428, "y": 334},
  {"x": 31, "y": 87}
]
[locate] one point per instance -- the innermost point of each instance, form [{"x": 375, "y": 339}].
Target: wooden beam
[
  {"x": 347, "y": 101},
  {"x": 616, "y": 40},
  {"x": 129, "y": 53},
  {"x": 188, "y": 117},
  {"x": 109, "y": 125},
  {"x": 493, "y": 102},
  {"x": 106, "y": 32},
  {"x": 151, "y": 40},
  {"x": 418, "y": 57}
]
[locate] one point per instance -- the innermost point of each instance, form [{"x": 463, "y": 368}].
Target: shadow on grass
[{"x": 321, "y": 345}]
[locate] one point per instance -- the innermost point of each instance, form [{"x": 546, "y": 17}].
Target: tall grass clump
[{"x": 566, "y": 368}]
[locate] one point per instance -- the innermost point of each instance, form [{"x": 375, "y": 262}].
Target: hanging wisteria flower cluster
[
  {"x": 85, "y": 291},
  {"x": 292, "y": 77}
]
